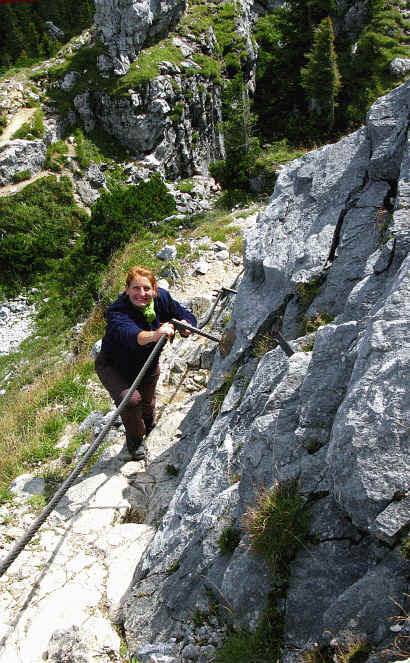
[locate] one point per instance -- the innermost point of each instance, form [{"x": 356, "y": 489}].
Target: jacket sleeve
[
  {"x": 122, "y": 329},
  {"x": 175, "y": 310}
]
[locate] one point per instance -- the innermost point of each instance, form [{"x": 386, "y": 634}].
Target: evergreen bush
[
  {"x": 118, "y": 215},
  {"x": 36, "y": 226},
  {"x": 241, "y": 145},
  {"x": 23, "y": 30},
  {"x": 321, "y": 77}
]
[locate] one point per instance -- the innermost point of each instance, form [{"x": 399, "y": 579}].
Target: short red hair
[{"x": 141, "y": 270}]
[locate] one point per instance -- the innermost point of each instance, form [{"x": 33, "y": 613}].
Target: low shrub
[
  {"x": 355, "y": 649},
  {"x": 120, "y": 213},
  {"x": 21, "y": 175},
  {"x": 405, "y": 544},
  {"x": 186, "y": 186},
  {"x": 54, "y": 157},
  {"x": 307, "y": 346},
  {"x": 307, "y": 292},
  {"x": 176, "y": 116},
  {"x": 319, "y": 319},
  {"x": 262, "y": 343},
  {"x": 36, "y": 227},
  {"x": 262, "y": 646},
  {"x": 271, "y": 159},
  {"x": 172, "y": 470},
  {"x": 97, "y": 146}
]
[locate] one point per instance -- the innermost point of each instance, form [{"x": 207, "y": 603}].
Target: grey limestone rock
[
  {"x": 27, "y": 484},
  {"x": 89, "y": 186},
  {"x": 143, "y": 123},
  {"x": 168, "y": 252},
  {"x": 96, "y": 638},
  {"x": 399, "y": 66},
  {"x": 126, "y": 26},
  {"x": 368, "y": 450},
  {"x": 54, "y": 31},
  {"x": 82, "y": 104},
  {"x": 18, "y": 155},
  {"x": 69, "y": 80}
]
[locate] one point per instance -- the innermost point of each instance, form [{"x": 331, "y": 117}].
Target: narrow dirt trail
[
  {"x": 19, "y": 118},
  {"x": 9, "y": 189}
]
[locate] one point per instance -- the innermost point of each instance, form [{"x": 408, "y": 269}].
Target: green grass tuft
[
  {"x": 229, "y": 540},
  {"x": 218, "y": 396},
  {"x": 277, "y": 525}
]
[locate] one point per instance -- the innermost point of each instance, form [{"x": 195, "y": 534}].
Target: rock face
[
  {"x": 126, "y": 26},
  {"x": 176, "y": 130},
  {"x": 333, "y": 244}
]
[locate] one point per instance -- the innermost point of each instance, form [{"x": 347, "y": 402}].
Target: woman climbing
[{"x": 135, "y": 322}]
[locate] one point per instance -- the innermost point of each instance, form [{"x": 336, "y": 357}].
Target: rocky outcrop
[
  {"x": 172, "y": 122},
  {"x": 333, "y": 240},
  {"x": 21, "y": 155},
  {"x": 125, "y": 26}
]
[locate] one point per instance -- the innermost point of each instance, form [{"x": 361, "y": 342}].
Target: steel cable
[{"x": 21, "y": 544}]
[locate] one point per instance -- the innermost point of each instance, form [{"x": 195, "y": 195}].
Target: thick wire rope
[{"x": 21, "y": 544}]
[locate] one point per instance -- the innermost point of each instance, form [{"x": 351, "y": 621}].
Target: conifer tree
[
  {"x": 284, "y": 37},
  {"x": 33, "y": 41},
  {"x": 241, "y": 145},
  {"x": 321, "y": 78}
]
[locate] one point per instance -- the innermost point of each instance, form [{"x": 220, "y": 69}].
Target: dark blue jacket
[{"x": 125, "y": 322}]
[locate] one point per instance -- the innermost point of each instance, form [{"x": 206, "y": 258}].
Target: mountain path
[{"x": 71, "y": 577}]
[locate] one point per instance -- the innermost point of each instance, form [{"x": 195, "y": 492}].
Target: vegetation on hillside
[
  {"x": 292, "y": 42},
  {"x": 37, "y": 226},
  {"x": 23, "y": 29},
  {"x": 45, "y": 394}
]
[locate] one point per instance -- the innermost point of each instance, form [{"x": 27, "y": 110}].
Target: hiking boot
[{"x": 135, "y": 447}]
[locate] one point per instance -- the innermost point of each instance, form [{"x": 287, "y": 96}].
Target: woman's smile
[{"x": 140, "y": 291}]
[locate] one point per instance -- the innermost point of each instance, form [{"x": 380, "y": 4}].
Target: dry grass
[
  {"x": 32, "y": 419},
  {"x": 401, "y": 644},
  {"x": 354, "y": 649}
]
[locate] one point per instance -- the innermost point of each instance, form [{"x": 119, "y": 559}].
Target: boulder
[
  {"x": 27, "y": 484},
  {"x": 399, "y": 66},
  {"x": 18, "y": 155}
]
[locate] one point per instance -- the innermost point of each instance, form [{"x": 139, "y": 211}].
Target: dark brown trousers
[{"x": 140, "y": 409}]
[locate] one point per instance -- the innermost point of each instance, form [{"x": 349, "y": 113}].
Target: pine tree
[
  {"x": 283, "y": 37},
  {"x": 33, "y": 41},
  {"x": 241, "y": 145},
  {"x": 320, "y": 78}
]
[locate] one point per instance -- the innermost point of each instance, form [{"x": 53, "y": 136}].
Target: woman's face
[{"x": 140, "y": 291}]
